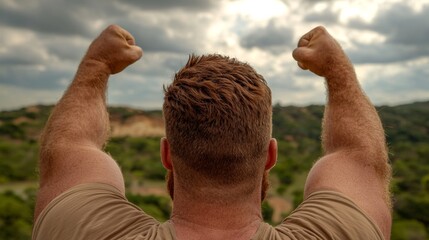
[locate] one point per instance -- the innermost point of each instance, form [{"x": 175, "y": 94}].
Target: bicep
[
  {"x": 360, "y": 182},
  {"x": 72, "y": 166}
]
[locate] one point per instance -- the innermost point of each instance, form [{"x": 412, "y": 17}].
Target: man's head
[{"x": 218, "y": 123}]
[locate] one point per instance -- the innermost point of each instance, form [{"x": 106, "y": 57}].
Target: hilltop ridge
[{"x": 289, "y": 122}]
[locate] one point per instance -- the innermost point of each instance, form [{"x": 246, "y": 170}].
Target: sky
[{"x": 43, "y": 41}]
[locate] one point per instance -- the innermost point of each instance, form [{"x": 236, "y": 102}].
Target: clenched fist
[
  {"x": 115, "y": 47},
  {"x": 320, "y": 53}
]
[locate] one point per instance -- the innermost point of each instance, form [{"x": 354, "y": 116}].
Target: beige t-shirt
[{"x": 99, "y": 211}]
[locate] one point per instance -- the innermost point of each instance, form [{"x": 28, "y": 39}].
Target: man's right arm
[{"x": 355, "y": 161}]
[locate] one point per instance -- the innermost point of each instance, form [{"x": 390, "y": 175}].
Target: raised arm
[
  {"x": 72, "y": 141},
  {"x": 355, "y": 161}
]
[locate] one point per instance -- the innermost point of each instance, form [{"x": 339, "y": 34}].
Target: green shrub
[
  {"x": 267, "y": 212},
  {"x": 408, "y": 230}
]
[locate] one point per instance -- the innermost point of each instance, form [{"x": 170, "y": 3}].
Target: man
[{"x": 218, "y": 150}]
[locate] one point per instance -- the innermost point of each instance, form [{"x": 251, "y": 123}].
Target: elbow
[
  {"x": 373, "y": 154},
  {"x": 375, "y": 157}
]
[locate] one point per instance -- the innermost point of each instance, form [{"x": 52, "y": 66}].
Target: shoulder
[
  {"x": 324, "y": 215},
  {"x": 366, "y": 185},
  {"x": 96, "y": 209}
]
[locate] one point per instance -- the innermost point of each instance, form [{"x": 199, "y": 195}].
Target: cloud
[
  {"x": 45, "y": 16},
  {"x": 187, "y": 5},
  {"x": 36, "y": 77},
  {"x": 305, "y": 2},
  {"x": 22, "y": 55},
  {"x": 290, "y": 87},
  {"x": 42, "y": 42},
  {"x": 402, "y": 25},
  {"x": 405, "y": 83},
  {"x": 33, "y": 61},
  {"x": 125, "y": 90},
  {"x": 160, "y": 37},
  {"x": 325, "y": 16},
  {"x": 405, "y": 31},
  {"x": 381, "y": 53},
  {"x": 272, "y": 37},
  {"x": 12, "y": 97},
  {"x": 65, "y": 48},
  {"x": 315, "y": 1}
]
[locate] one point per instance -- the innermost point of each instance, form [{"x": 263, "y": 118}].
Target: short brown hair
[{"x": 218, "y": 120}]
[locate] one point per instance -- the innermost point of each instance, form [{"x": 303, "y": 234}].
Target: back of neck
[{"x": 198, "y": 217}]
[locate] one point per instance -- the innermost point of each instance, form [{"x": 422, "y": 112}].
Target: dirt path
[
  {"x": 280, "y": 206},
  {"x": 149, "y": 188}
]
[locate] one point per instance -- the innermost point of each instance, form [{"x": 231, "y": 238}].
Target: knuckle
[
  {"x": 320, "y": 29},
  {"x": 113, "y": 27}
]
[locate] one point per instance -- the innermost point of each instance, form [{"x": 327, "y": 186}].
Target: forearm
[
  {"x": 351, "y": 122},
  {"x": 80, "y": 117}
]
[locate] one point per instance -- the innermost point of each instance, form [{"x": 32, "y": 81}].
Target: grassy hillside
[{"x": 135, "y": 145}]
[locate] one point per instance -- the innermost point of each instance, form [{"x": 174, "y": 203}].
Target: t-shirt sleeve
[
  {"x": 329, "y": 215},
  {"x": 91, "y": 211}
]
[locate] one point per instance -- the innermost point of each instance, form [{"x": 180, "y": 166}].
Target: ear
[
  {"x": 271, "y": 155},
  {"x": 165, "y": 154}
]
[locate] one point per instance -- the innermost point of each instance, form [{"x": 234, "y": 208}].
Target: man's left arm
[{"x": 71, "y": 144}]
